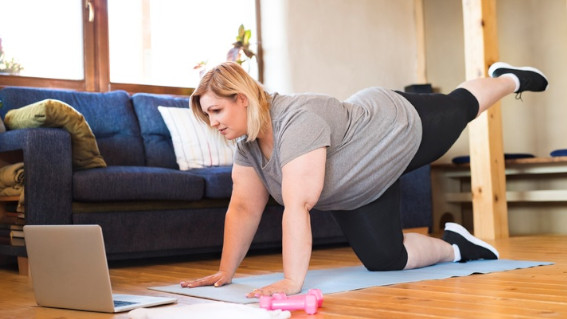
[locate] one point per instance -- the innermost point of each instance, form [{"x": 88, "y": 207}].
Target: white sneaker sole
[
  {"x": 465, "y": 233},
  {"x": 505, "y": 65}
]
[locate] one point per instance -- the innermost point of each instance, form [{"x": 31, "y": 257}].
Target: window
[
  {"x": 159, "y": 42},
  {"x": 136, "y": 45},
  {"x": 42, "y": 38}
]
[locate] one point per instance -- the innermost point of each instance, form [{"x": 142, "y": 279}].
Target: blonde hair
[{"x": 227, "y": 80}]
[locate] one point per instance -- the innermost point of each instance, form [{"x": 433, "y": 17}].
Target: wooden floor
[{"x": 539, "y": 292}]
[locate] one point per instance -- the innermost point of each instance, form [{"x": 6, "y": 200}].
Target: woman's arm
[
  {"x": 247, "y": 203},
  {"x": 302, "y": 183}
]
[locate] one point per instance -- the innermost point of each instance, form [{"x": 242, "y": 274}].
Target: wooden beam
[{"x": 490, "y": 211}]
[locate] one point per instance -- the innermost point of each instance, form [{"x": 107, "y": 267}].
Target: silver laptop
[{"x": 69, "y": 270}]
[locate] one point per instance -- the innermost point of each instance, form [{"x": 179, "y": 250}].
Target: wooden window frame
[{"x": 97, "y": 62}]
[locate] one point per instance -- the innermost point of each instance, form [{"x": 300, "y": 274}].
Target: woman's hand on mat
[
  {"x": 221, "y": 278},
  {"x": 285, "y": 286}
]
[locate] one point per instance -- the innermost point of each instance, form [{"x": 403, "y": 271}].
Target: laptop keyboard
[{"x": 119, "y": 303}]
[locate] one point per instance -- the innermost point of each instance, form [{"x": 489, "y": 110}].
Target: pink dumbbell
[{"x": 309, "y": 302}]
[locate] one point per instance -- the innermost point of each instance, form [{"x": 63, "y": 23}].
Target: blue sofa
[{"x": 146, "y": 206}]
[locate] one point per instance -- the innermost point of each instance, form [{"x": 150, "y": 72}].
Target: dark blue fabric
[
  {"x": 218, "y": 180},
  {"x": 561, "y": 152},
  {"x": 194, "y": 231},
  {"x": 415, "y": 202},
  {"x": 124, "y": 183},
  {"x": 157, "y": 140},
  {"x": 465, "y": 159},
  {"x": 48, "y": 172},
  {"x": 110, "y": 116},
  {"x": 161, "y": 233}
]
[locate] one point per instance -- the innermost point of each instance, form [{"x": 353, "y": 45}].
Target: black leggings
[{"x": 374, "y": 231}]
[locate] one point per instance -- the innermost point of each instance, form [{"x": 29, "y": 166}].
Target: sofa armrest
[{"x": 48, "y": 173}]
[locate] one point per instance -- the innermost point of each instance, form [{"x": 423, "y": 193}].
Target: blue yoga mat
[{"x": 350, "y": 278}]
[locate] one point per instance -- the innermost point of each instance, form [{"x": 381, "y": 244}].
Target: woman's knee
[
  {"x": 464, "y": 98},
  {"x": 385, "y": 260}
]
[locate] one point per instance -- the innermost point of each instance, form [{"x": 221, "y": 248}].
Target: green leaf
[
  {"x": 241, "y": 32},
  {"x": 247, "y": 36}
]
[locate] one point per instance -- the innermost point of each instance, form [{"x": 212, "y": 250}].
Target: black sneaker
[
  {"x": 471, "y": 247},
  {"x": 531, "y": 79}
]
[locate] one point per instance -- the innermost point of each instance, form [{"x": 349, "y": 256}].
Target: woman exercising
[{"x": 345, "y": 157}]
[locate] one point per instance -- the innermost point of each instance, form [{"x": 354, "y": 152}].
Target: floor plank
[{"x": 538, "y": 292}]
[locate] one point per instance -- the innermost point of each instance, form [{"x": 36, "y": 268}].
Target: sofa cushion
[
  {"x": 218, "y": 180},
  {"x": 195, "y": 144},
  {"x": 57, "y": 114},
  {"x": 157, "y": 140},
  {"x": 110, "y": 116},
  {"x": 124, "y": 183}
]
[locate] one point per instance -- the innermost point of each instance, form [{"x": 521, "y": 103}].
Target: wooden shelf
[
  {"x": 530, "y": 180},
  {"x": 9, "y": 198},
  {"x": 16, "y": 251},
  {"x": 9, "y": 250},
  {"x": 517, "y": 197},
  {"x": 526, "y": 166}
]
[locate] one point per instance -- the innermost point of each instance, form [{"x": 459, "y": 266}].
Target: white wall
[
  {"x": 530, "y": 32},
  {"x": 536, "y": 33},
  {"x": 338, "y": 47}
]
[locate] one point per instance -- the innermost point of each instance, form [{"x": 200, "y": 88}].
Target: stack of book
[{"x": 11, "y": 222}]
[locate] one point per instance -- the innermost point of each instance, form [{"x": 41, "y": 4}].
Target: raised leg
[
  {"x": 489, "y": 90},
  {"x": 505, "y": 79}
]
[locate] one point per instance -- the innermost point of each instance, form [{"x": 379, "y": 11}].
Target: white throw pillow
[{"x": 195, "y": 144}]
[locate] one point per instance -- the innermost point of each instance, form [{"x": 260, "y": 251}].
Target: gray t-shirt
[{"x": 370, "y": 138}]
